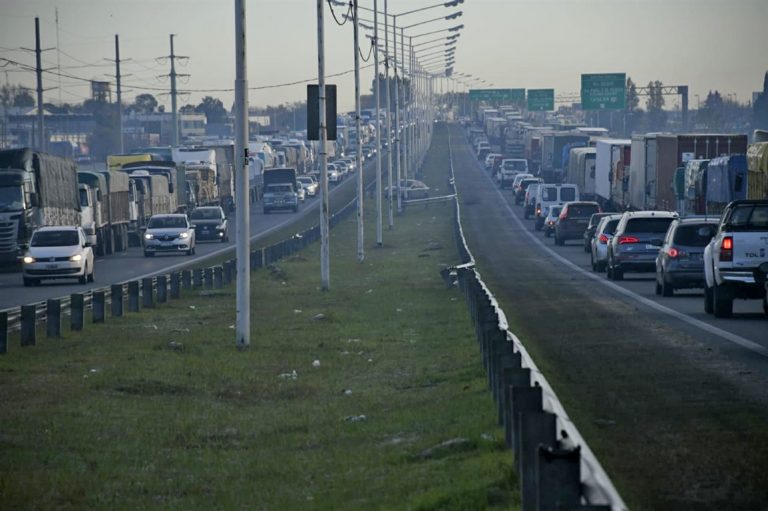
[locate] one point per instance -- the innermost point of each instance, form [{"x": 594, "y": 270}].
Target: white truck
[{"x": 736, "y": 260}]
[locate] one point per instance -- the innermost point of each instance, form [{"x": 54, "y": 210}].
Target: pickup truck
[
  {"x": 736, "y": 260},
  {"x": 280, "y": 190}
]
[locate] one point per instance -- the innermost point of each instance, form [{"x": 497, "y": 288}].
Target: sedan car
[
  {"x": 169, "y": 233},
  {"x": 58, "y": 253},
  {"x": 309, "y": 185},
  {"x": 589, "y": 233},
  {"x": 680, "y": 262},
  {"x": 209, "y": 223}
]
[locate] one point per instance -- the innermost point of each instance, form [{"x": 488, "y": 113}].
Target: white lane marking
[{"x": 719, "y": 332}]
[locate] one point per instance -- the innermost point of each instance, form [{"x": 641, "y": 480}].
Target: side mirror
[
  {"x": 34, "y": 200},
  {"x": 87, "y": 244},
  {"x": 656, "y": 242}
]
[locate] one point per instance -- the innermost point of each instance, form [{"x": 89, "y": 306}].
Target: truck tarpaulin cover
[
  {"x": 59, "y": 187},
  {"x": 727, "y": 178}
]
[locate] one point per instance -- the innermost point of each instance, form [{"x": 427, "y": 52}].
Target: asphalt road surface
[{"x": 673, "y": 402}]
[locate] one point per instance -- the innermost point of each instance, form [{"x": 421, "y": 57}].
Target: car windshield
[
  {"x": 749, "y": 217},
  {"x": 279, "y": 188},
  {"x": 11, "y": 198},
  {"x": 648, "y": 225},
  {"x": 549, "y": 194},
  {"x": 167, "y": 222},
  {"x": 694, "y": 235},
  {"x": 67, "y": 238},
  {"x": 206, "y": 214}
]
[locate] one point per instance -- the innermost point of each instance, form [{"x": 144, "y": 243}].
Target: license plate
[
  {"x": 51, "y": 266},
  {"x": 166, "y": 244}
]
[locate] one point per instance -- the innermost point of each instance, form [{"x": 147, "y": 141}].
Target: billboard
[{"x": 498, "y": 95}]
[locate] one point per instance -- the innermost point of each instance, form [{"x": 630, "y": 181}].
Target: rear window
[
  {"x": 582, "y": 210},
  {"x": 749, "y": 217},
  {"x": 568, "y": 194},
  {"x": 694, "y": 235},
  {"x": 555, "y": 211},
  {"x": 549, "y": 194},
  {"x": 648, "y": 225}
]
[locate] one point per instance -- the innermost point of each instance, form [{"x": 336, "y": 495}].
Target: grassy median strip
[{"x": 370, "y": 396}]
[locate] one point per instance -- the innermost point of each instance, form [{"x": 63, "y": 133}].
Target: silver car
[
  {"x": 599, "y": 243},
  {"x": 169, "y": 233}
]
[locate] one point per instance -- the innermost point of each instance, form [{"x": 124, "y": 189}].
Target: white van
[{"x": 552, "y": 195}]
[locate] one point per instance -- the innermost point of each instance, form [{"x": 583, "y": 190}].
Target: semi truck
[
  {"x": 581, "y": 170},
  {"x": 105, "y": 201},
  {"x": 199, "y": 166},
  {"x": 554, "y": 147},
  {"x": 36, "y": 189},
  {"x": 605, "y": 167},
  {"x": 757, "y": 175},
  {"x": 657, "y": 156}
]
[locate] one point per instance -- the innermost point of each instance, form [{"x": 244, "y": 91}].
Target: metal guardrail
[
  {"x": 146, "y": 292},
  {"x": 556, "y": 467}
]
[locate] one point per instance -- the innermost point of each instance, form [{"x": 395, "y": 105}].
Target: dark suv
[
  {"x": 573, "y": 220},
  {"x": 635, "y": 244},
  {"x": 680, "y": 262}
]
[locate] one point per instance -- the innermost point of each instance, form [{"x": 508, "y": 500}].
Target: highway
[
  {"x": 671, "y": 401},
  {"x": 132, "y": 264}
]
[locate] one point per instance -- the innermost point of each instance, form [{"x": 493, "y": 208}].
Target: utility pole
[
  {"x": 174, "y": 93},
  {"x": 325, "y": 269},
  {"x": 119, "y": 93},
  {"x": 397, "y": 121},
  {"x": 359, "y": 152},
  {"x": 389, "y": 120},
  {"x": 406, "y": 127},
  {"x": 242, "y": 249},
  {"x": 39, "y": 72},
  {"x": 377, "y": 94},
  {"x": 58, "y": 52}
]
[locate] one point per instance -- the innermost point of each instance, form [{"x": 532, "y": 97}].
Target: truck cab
[{"x": 88, "y": 212}]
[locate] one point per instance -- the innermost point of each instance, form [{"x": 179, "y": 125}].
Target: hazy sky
[{"x": 706, "y": 44}]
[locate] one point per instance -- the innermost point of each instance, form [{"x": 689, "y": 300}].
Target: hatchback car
[
  {"x": 680, "y": 264},
  {"x": 635, "y": 244},
  {"x": 573, "y": 220},
  {"x": 58, "y": 253},
  {"x": 589, "y": 233},
  {"x": 169, "y": 233},
  {"x": 599, "y": 244},
  {"x": 209, "y": 223}
]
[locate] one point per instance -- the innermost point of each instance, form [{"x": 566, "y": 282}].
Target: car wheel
[
  {"x": 666, "y": 287},
  {"x": 608, "y": 272},
  {"x": 723, "y": 301},
  {"x": 709, "y": 299},
  {"x": 548, "y": 233},
  {"x": 658, "y": 288},
  {"x": 84, "y": 278},
  {"x": 90, "y": 276}
]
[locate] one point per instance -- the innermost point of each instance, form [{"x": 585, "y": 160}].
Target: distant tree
[
  {"x": 63, "y": 108},
  {"x": 654, "y": 105},
  {"x": 213, "y": 109},
  {"x": 143, "y": 104},
  {"x": 760, "y": 108},
  {"x": 188, "y": 109},
  {"x": 23, "y": 98},
  {"x": 711, "y": 113},
  {"x": 632, "y": 100}
]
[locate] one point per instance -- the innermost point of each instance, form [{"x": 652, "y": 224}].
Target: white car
[
  {"x": 309, "y": 185},
  {"x": 169, "y": 233},
  {"x": 599, "y": 243},
  {"x": 58, "y": 253},
  {"x": 334, "y": 176}
]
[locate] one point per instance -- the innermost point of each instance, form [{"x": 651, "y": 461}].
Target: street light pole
[
  {"x": 359, "y": 152},
  {"x": 397, "y": 117},
  {"x": 325, "y": 270},
  {"x": 377, "y": 94},
  {"x": 389, "y": 120}
]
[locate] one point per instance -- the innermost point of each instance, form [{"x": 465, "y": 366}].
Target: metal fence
[
  {"x": 132, "y": 296},
  {"x": 555, "y": 466}
]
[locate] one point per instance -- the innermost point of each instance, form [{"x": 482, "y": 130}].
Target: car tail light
[
  {"x": 538, "y": 211},
  {"x": 673, "y": 252},
  {"x": 726, "y": 249},
  {"x": 603, "y": 239},
  {"x": 627, "y": 239},
  {"x": 564, "y": 214}
]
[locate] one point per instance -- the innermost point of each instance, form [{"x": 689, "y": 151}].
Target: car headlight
[
  {"x": 184, "y": 235},
  {"x": 28, "y": 259},
  {"x": 76, "y": 258},
  {"x": 149, "y": 236}
]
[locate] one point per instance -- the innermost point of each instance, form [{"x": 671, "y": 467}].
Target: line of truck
[{"x": 693, "y": 173}]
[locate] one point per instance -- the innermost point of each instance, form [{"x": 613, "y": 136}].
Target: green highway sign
[
  {"x": 606, "y": 91},
  {"x": 541, "y": 100},
  {"x": 499, "y": 95}
]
